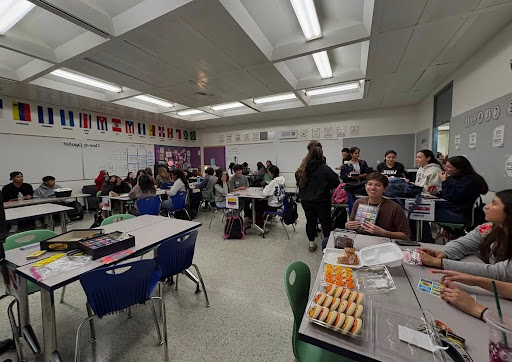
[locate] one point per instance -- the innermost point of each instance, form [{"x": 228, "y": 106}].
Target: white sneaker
[
  {"x": 13, "y": 229},
  {"x": 39, "y": 224}
]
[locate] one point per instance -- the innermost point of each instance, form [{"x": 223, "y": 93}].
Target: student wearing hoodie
[
  {"x": 221, "y": 189},
  {"x": 103, "y": 176},
  {"x": 428, "y": 173},
  {"x": 315, "y": 181},
  {"x": 47, "y": 188},
  {"x": 206, "y": 186},
  {"x": 274, "y": 192}
]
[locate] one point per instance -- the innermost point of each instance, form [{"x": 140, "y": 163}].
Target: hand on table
[
  {"x": 27, "y": 197},
  {"x": 461, "y": 300},
  {"x": 429, "y": 260},
  {"x": 373, "y": 229},
  {"x": 352, "y": 225},
  {"x": 451, "y": 276},
  {"x": 434, "y": 253}
]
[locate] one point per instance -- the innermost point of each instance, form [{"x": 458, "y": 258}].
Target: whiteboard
[
  {"x": 37, "y": 157},
  {"x": 290, "y": 153},
  {"x": 251, "y": 153},
  {"x": 117, "y": 158}
]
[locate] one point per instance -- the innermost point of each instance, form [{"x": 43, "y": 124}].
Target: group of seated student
[
  {"x": 17, "y": 188},
  {"x": 207, "y": 184}
]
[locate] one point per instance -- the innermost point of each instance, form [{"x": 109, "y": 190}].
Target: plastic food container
[
  {"x": 63, "y": 192},
  {"x": 344, "y": 238},
  {"x": 388, "y": 254},
  {"x": 374, "y": 279}
]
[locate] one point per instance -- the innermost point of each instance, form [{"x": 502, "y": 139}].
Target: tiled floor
[{"x": 249, "y": 318}]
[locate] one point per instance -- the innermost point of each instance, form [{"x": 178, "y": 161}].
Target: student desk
[
  {"x": 146, "y": 238},
  {"x": 123, "y": 198},
  {"x": 252, "y": 193},
  {"x": 47, "y": 200},
  {"x": 25, "y": 212}
]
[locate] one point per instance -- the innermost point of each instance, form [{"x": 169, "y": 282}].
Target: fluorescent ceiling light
[
  {"x": 323, "y": 65},
  {"x": 86, "y": 80},
  {"x": 155, "y": 100},
  {"x": 220, "y": 107},
  {"x": 308, "y": 19},
  {"x": 12, "y": 11},
  {"x": 189, "y": 112},
  {"x": 276, "y": 98},
  {"x": 332, "y": 89}
]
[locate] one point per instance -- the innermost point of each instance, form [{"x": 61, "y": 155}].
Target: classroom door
[{"x": 215, "y": 156}]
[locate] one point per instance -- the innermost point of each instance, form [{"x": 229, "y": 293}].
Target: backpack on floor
[
  {"x": 77, "y": 213},
  {"x": 339, "y": 196},
  {"x": 479, "y": 215},
  {"x": 291, "y": 215},
  {"x": 234, "y": 228}
]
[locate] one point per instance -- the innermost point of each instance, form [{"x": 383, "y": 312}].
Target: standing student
[
  {"x": 461, "y": 186},
  {"x": 492, "y": 242},
  {"x": 101, "y": 179},
  {"x": 180, "y": 185},
  {"x": 428, "y": 173},
  {"x": 14, "y": 190},
  {"x": 47, "y": 188},
  {"x": 274, "y": 192},
  {"x": 391, "y": 221},
  {"x": 230, "y": 170},
  {"x": 316, "y": 180},
  {"x": 355, "y": 169},
  {"x": 221, "y": 189},
  {"x": 144, "y": 188},
  {"x": 390, "y": 167},
  {"x": 206, "y": 185}
]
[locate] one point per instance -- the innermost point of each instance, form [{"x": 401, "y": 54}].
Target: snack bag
[{"x": 412, "y": 256}]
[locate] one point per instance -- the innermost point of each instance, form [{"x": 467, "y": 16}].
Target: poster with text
[
  {"x": 472, "y": 140},
  {"x": 498, "y": 136},
  {"x": 341, "y": 131},
  {"x": 316, "y": 133}
]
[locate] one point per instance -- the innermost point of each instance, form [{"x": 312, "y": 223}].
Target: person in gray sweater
[
  {"x": 206, "y": 186},
  {"x": 47, "y": 188},
  {"x": 221, "y": 190},
  {"x": 492, "y": 242}
]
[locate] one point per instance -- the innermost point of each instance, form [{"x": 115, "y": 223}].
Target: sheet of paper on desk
[{"x": 417, "y": 338}]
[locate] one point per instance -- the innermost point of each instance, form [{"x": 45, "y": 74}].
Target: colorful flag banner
[
  {"x": 85, "y": 120},
  {"x": 193, "y": 135},
  {"x": 185, "y": 135},
  {"x": 116, "y": 125},
  {"x": 102, "y": 123},
  {"x": 152, "y": 130},
  {"x": 67, "y": 118},
  {"x": 141, "y": 128},
  {"x": 178, "y": 132},
  {"x": 45, "y": 114},
  {"x": 161, "y": 131},
  {"x": 129, "y": 127},
  {"x": 21, "y": 111},
  {"x": 170, "y": 132}
]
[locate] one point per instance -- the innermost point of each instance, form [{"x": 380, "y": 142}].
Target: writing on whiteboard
[{"x": 81, "y": 145}]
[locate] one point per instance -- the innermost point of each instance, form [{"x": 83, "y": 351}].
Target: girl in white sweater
[{"x": 428, "y": 173}]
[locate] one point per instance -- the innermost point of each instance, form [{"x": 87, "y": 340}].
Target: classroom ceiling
[{"x": 200, "y": 53}]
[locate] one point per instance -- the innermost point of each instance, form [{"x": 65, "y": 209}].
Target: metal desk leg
[
  {"x": 23, "y": 302},
  {"x": 254, "y": 226},
  {"x": 49, "y": 326},
  {"x": 63, "y": 227},
  {"x": 51, "y": 223},
  {"x": 86, "y": 204},
  {"x": 419, "y": 230},
  {"x": 191, "y": 276},
  {"x": 121, "y": 206}
]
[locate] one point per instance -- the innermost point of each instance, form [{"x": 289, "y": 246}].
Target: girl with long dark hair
[
  {"x": 316, "y": 180},
  {"x": 355, "y": 169},
  {"x": 428, "y": 173},
  {"x": 492, "y": 242},
  {"x": 390, "y": 167},
  {"x": 180, "y": 185}
]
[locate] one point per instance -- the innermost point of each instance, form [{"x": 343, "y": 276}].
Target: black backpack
[
  {"x": 234, "y": 228},
  {"x": 339, "y": 218},
  {"x": 479, "y": 215},
  {"x": 77, "y": 213},
  {"x": 291, "y": 215}
]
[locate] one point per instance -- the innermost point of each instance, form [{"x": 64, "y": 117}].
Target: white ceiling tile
[
  {"x": 436, "y": 76},
  {"x": 486, "y": 3},
  {"x": 400, "y": 13},
  {"x": 13, "y": 60},
  {"x": 270, "y": 77},
  {"x": 438, "y": 9},
  {"x": 112, "y": 7},
  {"x": 239, "y": 85},
  {"x": 386, "y": 51}
]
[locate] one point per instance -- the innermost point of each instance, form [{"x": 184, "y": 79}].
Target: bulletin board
[
  {"x": 484, "y": 136},
  {"x": 181, "y": 157}
]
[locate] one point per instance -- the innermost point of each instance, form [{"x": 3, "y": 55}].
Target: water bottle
[{"x": 20, "y": 196}]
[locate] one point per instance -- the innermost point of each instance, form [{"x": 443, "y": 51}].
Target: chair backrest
[
  {"x": 108, "y": 292},
  {"x": 27, "y": 238},
  {"x": 350, "y": 202},
  {"x": 285, "y": 203},
  {"x": 98, "y": 194},
  {"x": 167, "y": 185},
  {"x": 179, "y": 201},
  {"x": 175, "y": 254},
  {"x": 297, "y": 289},
  {"x": 116, "y": 218},
  {"x": 266, "y": 177},
  {"x": 149, "y": 205}
]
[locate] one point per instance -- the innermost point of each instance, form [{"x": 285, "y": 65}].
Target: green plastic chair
[
  {"x": 455, "y": 226},
  {"x": 266, "y": 177},
  {"x": 116, "y": 218},
  {"x": 298, "y": 295}
]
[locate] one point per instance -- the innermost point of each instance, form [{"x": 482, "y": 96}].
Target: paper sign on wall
[
  {"x": 457, "y": 141},
  {"x": 327, "y": 132},
  {"x": 498, "y": 136},
  {"x": 316, "y": 133},
  {"x": 303, "y": 133},
  {"x": 341, "y": 131},
  {"x": 472, "y": 140},
  {"x": 255, "y": 136},
  {"x": 247, "y": 137},
  {"x": 229, "y": 138},
  {"x": 221, "y": 138},
  {"x": 508, "y": 166}
]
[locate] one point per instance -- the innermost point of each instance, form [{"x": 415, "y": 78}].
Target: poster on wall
[
  {"x": 238, "y": 137},
  {"x": 229, "y": 138},
  {"x": 316, "y": 133},
  {"x": 498, "y": 136},
  {"x": 327, "y": 132},
  {"x": 221, "y": 138},
  {"x": 247, "y": 137},
  {"x": 303, "y": 133},
  {"x": 508, "y": 166},
  {"x": 255, "y": 136},
  {"x": 341, "y": 131},
  {"x": 457, "y": 142},
  {"x": 354, "y": 130},
  {"x": 472, "y": 140}
]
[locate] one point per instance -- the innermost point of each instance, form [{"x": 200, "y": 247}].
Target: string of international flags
[{"x": 66, "y": 118}]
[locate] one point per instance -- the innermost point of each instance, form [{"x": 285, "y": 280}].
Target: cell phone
[{"x": 406, "y": 242}]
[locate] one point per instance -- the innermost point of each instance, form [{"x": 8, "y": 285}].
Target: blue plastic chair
[
  {"x": 149, "y": 205},
  {"x": 217, "y": 209},
  {"x": 179, "y": 202},
  {"x": 280, "y": 214},
  {"x": 166, "y": 185},
  {"x": 110, "y": 290},
  {"x": 174, "y": 256}
]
